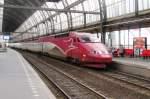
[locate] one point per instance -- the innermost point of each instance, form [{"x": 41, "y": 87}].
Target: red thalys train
[{"x": 77, "y": 47}]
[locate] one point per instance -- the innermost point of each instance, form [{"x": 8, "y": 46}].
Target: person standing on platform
[
  {"x": 113, "y": 51},
  {"x": 121, "y": 51}
]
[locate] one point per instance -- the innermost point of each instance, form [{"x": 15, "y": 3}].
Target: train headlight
[{"x": 84, "y": 55}]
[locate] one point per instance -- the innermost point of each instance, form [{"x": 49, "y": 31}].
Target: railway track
[
  {"x": 137, "y": 81},
  {"x": 68, "y": 85},
  {"x": 106, "y": 83}
]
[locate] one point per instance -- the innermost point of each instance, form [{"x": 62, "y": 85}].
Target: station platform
[
  {"x": 18, "y": 80},
  {"x": 136, "y": 66}
]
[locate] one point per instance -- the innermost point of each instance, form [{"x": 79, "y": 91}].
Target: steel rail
[
  {"x": 29, "y": 60},
  {"x": 126, "y": 81},
  {"x": 74, "y": 80},
  {"x": 56, "y": 69}
]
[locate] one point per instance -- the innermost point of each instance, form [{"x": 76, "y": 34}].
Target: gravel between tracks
[
  {"x": 70, "y": 87},
  {"x": 99, "y": 82}
]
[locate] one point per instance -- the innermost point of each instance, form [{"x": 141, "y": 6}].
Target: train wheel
[
  {"x": 69, "y": 60},
  {"x": 77, "y": 61},
  {"x": 73, "y": 60}
]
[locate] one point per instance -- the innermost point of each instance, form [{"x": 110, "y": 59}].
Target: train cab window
[
  {"x": 85, "y": 39},
  {"x": 89, "y": 39}
]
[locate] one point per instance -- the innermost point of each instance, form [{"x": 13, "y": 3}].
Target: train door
[{"x": 76, "y": 51}]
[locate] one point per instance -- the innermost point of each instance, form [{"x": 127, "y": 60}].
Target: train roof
[
  {"x": 79, "y": 33},
  {"x": 66, "y": 34}
]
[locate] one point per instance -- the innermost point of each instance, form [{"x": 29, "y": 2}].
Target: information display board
[
  {"x": 6, "y": 37},
  {"x": 139, "y": 44}
]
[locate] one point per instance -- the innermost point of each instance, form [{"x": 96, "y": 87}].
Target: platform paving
[
  {"x": 18, "y": 80},
  {"x": 137, "y": 66},
  {"x": 139, "y": 62}
]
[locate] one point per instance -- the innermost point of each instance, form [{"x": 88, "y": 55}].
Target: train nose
[{"x": 103, "y": 58}]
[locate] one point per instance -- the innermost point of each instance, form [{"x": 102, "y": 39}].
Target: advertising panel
[
  {"x": 6, "y": 37},
  {"x": 139, "y": 44}
]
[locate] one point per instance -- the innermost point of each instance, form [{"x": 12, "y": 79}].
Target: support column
[
  {"x": 139, "y": 30},
  {"x": 136, "y": 7},
  {"x": 119, "y": 37},
  {"x": 128, "y": 36},
  {"x": 103, "y": 17},
  {"x": 84, "y": 20}
]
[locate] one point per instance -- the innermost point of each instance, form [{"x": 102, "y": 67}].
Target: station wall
[{"x": 125, "y": 37}]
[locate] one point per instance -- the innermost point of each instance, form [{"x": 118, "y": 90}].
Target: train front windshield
[{"x": 89, "y": 39}]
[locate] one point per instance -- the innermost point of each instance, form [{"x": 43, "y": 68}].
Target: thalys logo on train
[{"x": 70, "y": 45}]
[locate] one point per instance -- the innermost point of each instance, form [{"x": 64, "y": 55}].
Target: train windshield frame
[{"x": 89, "y": 39}]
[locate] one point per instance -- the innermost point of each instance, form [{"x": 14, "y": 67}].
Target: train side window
[
  {"x": 78, "y": 40},
  {"x": 74, "y": 40}
]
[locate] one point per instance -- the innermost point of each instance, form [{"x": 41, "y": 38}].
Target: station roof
[
  {"x": 35, "y": 18},
  {"x": 13, "y": 18}
]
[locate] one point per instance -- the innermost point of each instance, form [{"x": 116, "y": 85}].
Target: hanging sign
[{"x": 140, "y": 42}]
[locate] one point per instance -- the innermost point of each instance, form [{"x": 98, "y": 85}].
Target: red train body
[{"x": 80, "y": 48}]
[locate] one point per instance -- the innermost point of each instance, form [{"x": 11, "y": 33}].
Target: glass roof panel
[
  {"x": 71, "y": 1},
  {"x": 1, "y": 15},
  {"x": 64, "y": 21},
  {"x": 60, "y": 5},
  {"x": 50, "y": 5},
  {"x": 114, "y": 8}
]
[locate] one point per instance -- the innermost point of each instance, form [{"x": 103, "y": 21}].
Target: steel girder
[
  {"x": 66, "y": 9},
  {"x": 103, "y": 18},
  {"x": 7, "y": 26},
  {"x": 46, "y": 9},
  {"x": 58, "y": 13}
]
